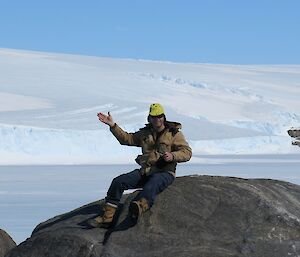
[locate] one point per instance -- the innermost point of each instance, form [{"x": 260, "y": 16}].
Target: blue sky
[{"x": 203, "y": 31}]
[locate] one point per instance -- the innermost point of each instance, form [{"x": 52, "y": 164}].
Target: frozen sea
[{"x": 32, "y": 194}]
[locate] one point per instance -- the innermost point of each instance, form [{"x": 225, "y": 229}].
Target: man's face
[{"x": 157, "y": 121}]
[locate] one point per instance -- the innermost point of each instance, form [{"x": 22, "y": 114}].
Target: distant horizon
[
  {"x": 150, "y": 60},
  {"x": 212, "y": 31}
]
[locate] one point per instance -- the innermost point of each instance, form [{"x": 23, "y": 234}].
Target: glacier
[{"x": 49, "y": 102}]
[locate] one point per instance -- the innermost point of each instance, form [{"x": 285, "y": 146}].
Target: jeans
[{"x": 151, "y": 185}]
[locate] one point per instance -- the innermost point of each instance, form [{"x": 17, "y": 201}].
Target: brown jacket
[{"x": 154, "y": 145}]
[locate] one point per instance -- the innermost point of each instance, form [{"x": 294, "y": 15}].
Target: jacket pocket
[
  {"x": 142, "y": 160},
  {"x": 148, "y": 144},
  {"x": 163, "y": 147},
  {"x": 147, "y": 159}
]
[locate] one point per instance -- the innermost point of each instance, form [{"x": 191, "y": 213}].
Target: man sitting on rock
[{"x": 163, "y": 146}]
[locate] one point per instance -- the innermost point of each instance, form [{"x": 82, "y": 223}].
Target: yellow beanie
[{"x": 156, "y": 109}]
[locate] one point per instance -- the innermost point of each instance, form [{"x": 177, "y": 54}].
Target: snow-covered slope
[{"x": 49, "y": 102}]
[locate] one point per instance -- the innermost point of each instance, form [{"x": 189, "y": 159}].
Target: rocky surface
[
  {"x": 6, "y": 243},
  {"x": 295, "y": 133},
  {"x": 196, "y": 216}
]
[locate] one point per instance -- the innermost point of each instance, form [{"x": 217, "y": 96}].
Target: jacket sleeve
[
  {"x": 181, "y": 149},
  {"x": 125, "y": 138}
]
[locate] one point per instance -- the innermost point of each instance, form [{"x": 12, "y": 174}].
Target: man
[{"x": 163, "y": 146}]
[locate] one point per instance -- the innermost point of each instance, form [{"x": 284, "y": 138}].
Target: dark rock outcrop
[
  {"x": 6, "y": 243},
  {"x": 295, "y": 133},
  {"x": 196, "y": 216}
]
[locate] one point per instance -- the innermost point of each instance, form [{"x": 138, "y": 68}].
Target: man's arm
[
  {"x": 182, "y": 151},
  {"x": 132, "y": 139},
  {"x": 125, "y": 138}
]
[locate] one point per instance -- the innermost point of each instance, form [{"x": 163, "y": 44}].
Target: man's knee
[
  {"x": 125, "y": 180},
  {"x": 117, "y": 181}
]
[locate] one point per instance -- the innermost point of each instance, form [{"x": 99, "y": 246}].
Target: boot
[
  {"x": 136, "y": 208},
  {"x": 106, "y": 219}
]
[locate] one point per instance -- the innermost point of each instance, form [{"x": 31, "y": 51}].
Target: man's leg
[
  {"x": 155, "y": 184},
  {"x": 121, "y": 183}
]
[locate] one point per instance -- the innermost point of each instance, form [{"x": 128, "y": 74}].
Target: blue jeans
[{"x": 151, "y": 185}]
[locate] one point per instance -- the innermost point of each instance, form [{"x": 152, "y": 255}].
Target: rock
[
  {"x": 294, "y": 132},
  {"x": 6, "y": 243},
  {"x": 196, "y": 216},
  {"x": 296, "y": 142}
]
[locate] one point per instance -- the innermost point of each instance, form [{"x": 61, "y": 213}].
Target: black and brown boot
[
  {"x": 106, "y": 219},
  {"x": 136, "y": 208}
]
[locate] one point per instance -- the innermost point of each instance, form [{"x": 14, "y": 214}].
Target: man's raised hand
[{"x": 107, "y": 119}]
